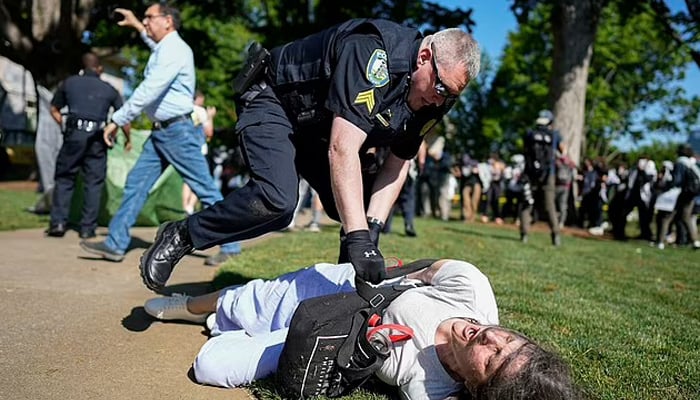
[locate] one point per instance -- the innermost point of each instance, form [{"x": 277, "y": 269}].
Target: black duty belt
[
  {"x": 157, "y": 125},
  {"x": 86, "y": 125}
]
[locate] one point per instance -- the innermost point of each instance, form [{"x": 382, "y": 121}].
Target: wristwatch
[{"x": 375, "y": 221}]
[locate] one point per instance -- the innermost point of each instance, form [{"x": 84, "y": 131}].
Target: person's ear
[{"x": 424, "y": 56}]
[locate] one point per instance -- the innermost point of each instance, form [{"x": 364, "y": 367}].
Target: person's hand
[
  {"x": 129, "y": 20},
  {"x": 109, "y": 135},
  {"x": 211, "y": 112},
  {"x": 365, "y": 256}
]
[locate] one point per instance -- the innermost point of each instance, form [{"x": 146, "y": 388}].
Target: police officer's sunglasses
[{"x": 440, "y": 87}]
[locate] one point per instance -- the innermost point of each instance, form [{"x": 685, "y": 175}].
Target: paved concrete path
[{"x": 73, "y": 327}]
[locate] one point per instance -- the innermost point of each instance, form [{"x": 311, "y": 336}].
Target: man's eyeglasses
[
  {"x": 440, "y": 87},
  {"x": 149, "y": 17}
]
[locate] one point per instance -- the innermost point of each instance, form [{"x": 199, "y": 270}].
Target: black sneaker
[
  {"x": 556, "y": 239},
  {"x": 411, "y": 231},
  {"x": 101, "y": 249},
  {"x": 87, "y": 233},
  {"x": 56, "y": 230},
  {"x": 172, "y": 242}
]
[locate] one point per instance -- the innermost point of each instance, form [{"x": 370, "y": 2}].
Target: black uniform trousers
[
  {"x": 84, "y": 151},
  {"x": 275, "y": 155}
]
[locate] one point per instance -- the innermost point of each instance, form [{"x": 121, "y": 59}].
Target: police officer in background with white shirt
[{"x": 88, "y": 99}]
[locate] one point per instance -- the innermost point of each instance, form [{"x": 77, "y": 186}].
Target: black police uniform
[
  {"x": 359, "y": 70},
  {"x": 89, "y": 99}
]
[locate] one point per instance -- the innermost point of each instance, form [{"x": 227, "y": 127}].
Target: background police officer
[
  {"x": 323, "y": 103},
  {"x": 88, "y": 99},
  {"x": 541, "y": 145}
]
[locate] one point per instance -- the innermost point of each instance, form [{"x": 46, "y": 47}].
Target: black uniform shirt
[
  {"x": 350, "y": 76},
  {"x": 87, "y": 96}
]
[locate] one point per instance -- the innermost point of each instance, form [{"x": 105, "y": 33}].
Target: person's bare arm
[
  {"x": 56, "y": 115},
  {"x": 127, "y": 134},
  {"x": 346, "y": 174},
  {"x": 387, "y": 187}
]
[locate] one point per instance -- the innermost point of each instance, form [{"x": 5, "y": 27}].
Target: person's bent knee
[{"x": 208, "y": 370}]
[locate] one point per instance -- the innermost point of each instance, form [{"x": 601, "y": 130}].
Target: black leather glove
[{"x": 365, "y": 256}]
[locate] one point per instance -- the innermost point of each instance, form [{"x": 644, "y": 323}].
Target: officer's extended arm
[
  {"x": 346, "y": 181},
  {"x": 346, "y": 175}
]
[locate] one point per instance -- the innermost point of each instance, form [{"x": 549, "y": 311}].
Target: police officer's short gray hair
[{"x": 454, "y": 47}]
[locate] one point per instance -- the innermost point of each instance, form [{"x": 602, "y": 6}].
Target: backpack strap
[
  {"x": 357, "y": 359},
  {"x": 377, "y": 296}
]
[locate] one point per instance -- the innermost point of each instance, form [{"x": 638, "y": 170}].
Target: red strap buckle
[{"x": 405, "y": 333}]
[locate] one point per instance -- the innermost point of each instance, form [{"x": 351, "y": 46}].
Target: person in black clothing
[
  {"x": 541, "y": 145},
  {"x": 88, "y": 99},
  {"x": 315, "y": 109}
]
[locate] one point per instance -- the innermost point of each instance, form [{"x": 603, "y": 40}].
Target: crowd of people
[
  {"x": 595, "y": 196},
  {"x": 344, "y": 116}
]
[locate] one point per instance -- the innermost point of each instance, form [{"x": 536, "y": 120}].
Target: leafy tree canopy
[{"x": 630, "y": 72}]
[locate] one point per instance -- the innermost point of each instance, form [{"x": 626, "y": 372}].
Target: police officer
[
  {"x": 317, "y": 109},
  {"x": 541, "y": 146},
  {"x": 88, "y": 99}
]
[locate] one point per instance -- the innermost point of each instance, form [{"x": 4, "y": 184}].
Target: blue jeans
[{"x": 180, "y": 145}]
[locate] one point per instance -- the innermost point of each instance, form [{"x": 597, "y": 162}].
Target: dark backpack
[
  {"x": 539, "y": 154},
  {"x": 327, "y": 352},
  {"x": 691, "y": 180}
]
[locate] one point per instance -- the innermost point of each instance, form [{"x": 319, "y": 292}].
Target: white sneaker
[
  {"x": 173, "y": 307},
  {"x": 660, "y": 246},
  {"x": 313, "y": 227},
  {"x": 211, "y": 321}
]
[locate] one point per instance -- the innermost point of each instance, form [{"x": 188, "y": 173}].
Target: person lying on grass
[{"x": 457, "y": 349}]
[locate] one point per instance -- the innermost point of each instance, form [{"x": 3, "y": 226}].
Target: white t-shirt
[{"x": 458, "y": 289}]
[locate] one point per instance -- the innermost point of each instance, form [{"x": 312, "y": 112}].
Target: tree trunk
[
  {"x": 45, "y": 36},
  {"x": 574, "y": 25}
]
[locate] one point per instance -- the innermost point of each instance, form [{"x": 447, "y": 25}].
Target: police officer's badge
[{"x": 377, "y": 72}]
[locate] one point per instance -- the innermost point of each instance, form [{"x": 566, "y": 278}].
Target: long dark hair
[{"x": 543, "y": 376}]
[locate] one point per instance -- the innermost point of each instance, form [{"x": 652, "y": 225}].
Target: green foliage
[
  {"x": 519, "y": 89},
  {"x": 630, "y": 74},
  {"x": 624, "y": 315},
  {"x": 218, "y": 32}
]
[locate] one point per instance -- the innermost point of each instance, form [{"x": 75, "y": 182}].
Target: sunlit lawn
[{"x": 625, "y": 315}]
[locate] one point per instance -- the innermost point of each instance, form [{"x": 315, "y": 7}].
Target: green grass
[
  {"x": 624, "y": 315},
  {"x": 12, "y": 214}
]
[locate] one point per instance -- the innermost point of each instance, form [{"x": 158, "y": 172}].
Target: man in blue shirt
[{"x": 165, "y": 95}]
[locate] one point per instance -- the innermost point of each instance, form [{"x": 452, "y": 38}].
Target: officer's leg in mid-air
[{"x": 265, "y": 204}]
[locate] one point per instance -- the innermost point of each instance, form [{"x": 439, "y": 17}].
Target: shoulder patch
[
  {"x": 366, "y": 98},
  {"x": 377, "y": 72}
]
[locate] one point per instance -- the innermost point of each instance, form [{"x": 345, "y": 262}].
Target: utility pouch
[{"x": 255, "y": 65}]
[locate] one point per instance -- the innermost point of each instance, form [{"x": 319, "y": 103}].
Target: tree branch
[{"x": 663, "y": 15}]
